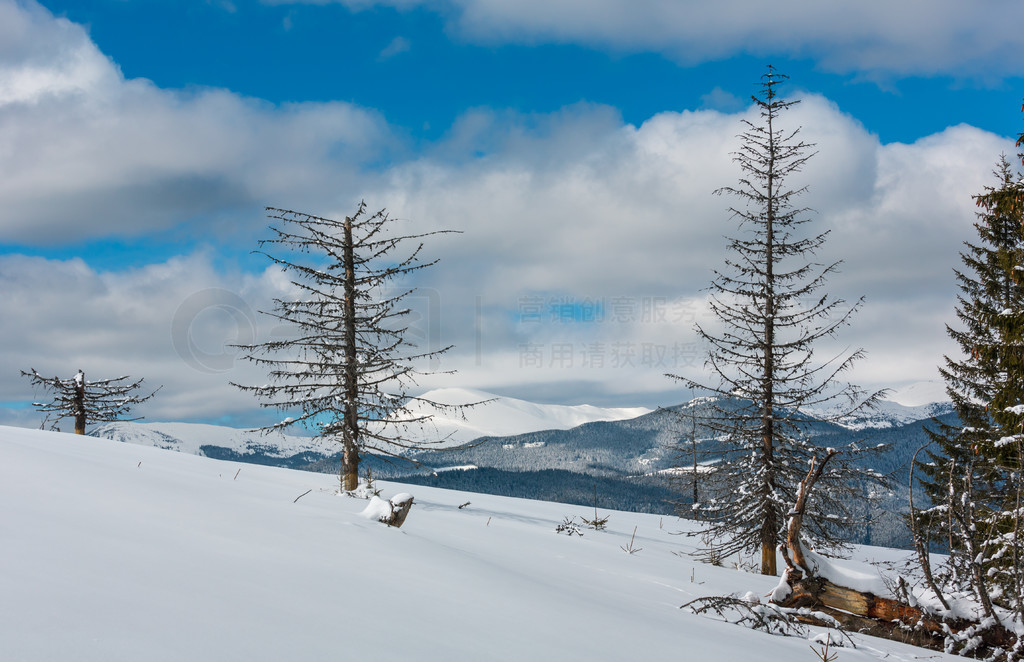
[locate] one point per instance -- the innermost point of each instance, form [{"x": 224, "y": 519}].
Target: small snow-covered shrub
[
  {"x": 365, "y": 490},
  {"x": 569, "y": 527}
]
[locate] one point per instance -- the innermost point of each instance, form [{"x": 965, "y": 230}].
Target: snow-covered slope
[
  {"x": 889, "y": 414},
  {"x": 191, "y": 437},
  {"x": 502, "y": 417},
  {"x": 122, "y": 552}
]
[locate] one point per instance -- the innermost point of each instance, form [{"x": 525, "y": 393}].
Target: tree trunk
[
  {"x": 693, "y": 445},
  {"x": 350, "y": 461},
  {"x": 883, "y": 617},
  {"x": 79, "y": 404},
  {"x": 770, "y": 526},
  {"x": 350, "y": 468},
  {"x": 795, "y": 558},
  {"x": 769, "y": 564}
]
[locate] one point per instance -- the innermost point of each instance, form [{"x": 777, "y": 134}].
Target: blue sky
[
  {"x": 421, "y": 73},
  {"x": 575, "y": 144}
]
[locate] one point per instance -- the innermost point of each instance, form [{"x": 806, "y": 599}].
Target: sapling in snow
[
  {"x": 631, "y": 548},
  {"x": 568, "y": 526},
  {"x": 598, "y": 523}
]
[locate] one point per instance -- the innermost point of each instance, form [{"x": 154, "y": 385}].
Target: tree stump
[{"x": 400, "y": 504}]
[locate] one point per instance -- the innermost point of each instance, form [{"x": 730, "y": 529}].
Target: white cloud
[
  {"x": 45, "y": 57},
  {"x": 171, "y": 323},
  {"x": 569, "y": 208},
  {"x": 578, "y": 206},
  {"x": 572, "y": 206},
  {"x": 395, "y": 47},
  {"x": 87, "y": 153},
  {"x": 723, "y": 100},
  {"x": 911, "y": 37}
]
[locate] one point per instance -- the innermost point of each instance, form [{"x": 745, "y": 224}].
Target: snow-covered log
[
  {"x": 400, "y": 506},
  {"x": 815, "y": 586}
]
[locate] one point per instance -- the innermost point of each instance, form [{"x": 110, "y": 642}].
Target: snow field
[{"x": 121, "y": 552}]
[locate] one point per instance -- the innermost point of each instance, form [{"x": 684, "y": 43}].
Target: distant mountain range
[
  {"x": 889, "y": 414},
  {"x": 496, "y": 417},
  {"x": 502, "y": 417},
  {"x": 562, "y": 453}
]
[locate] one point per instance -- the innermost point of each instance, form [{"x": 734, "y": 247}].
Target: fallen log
[
  {"x": 861, "y": 611},
  {"x": 867, "y": 613}
]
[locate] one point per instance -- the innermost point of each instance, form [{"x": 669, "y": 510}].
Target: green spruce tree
[{"x": 973, "y": 474}]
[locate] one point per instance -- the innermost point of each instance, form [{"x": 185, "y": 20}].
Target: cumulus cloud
[
  {"x": 586, "y": 242},
  {"x": 171, "y": 323},
  {"x": 47, "y": 57},
  {"x": 87, "y": 153},
  {"x": 578, "y": 207},
  {"x": 913, "y": 37}
]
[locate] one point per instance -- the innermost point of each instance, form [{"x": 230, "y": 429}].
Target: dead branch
[
  {"x": 798, "y": 565},
  {"x": 919, "y": 544}
]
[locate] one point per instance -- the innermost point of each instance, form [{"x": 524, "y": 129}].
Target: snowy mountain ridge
[
  {"x": 500, "y": 416},
  {"x": 887, "y": 414},
  {"x": 497, "y": 417},
  {"x": 192, "y": 437}
]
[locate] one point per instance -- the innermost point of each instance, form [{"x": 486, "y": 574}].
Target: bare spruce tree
[
  {"x": 88, "y": 402},
  {"x": 772, "y": 314},
  {"x": 345, "y": 372}
]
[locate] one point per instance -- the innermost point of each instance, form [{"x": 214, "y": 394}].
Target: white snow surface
[
  {"x": 190, "y": 437},
  {"x": 842, "y": 573},
  {"x": 504, "y": 417},
  {"x": 123, "y": 552}
]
